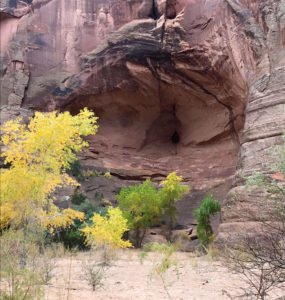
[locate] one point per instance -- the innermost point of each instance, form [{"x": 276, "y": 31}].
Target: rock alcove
[{"x": 166, "y": 123}]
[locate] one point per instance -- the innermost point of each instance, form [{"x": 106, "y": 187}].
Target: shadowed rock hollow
[
  {"x": 169, "y": 80},
  {"x": 165, "y": 120}
]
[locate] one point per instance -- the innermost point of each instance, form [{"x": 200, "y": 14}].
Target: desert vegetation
[{"x": 40, "y": 159}]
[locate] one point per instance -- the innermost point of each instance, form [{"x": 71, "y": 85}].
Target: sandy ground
[{"x": 199, "y": 278}]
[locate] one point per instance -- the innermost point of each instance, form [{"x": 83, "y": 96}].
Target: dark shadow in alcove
[{"x": 175, "y": 138}]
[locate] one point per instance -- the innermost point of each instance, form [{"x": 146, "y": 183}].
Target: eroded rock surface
[
  {"x": 168, "y": 79},
  {"x": 265, "y": 113}
]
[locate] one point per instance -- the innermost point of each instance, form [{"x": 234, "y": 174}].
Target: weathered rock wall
[
  {"x": 170, "y": 81},
  {"x": 265, "y": 112}
]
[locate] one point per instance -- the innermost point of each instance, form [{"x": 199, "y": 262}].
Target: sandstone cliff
[{"x": 180, "y": 85}]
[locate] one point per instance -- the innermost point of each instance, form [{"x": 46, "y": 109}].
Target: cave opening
[
  {"x": 154, "y": 12},
  {"x": 161, "y": 129},
  {"x": 175, "y": 138}
]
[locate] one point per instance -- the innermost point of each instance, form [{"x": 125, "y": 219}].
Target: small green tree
[
  {"x": 141, "y": 206},
  {"x": 207, "y": 208},
  {"x": 169, "y": 194}
]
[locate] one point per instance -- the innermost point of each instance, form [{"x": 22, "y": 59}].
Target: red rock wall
[{"x": 150, "y": 69}]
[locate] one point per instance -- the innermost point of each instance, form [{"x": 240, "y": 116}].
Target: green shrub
[
  {"x": 141, "y": 206},
  {"x": 77, "y": 197},
  {"x": 89, "y": 208},
  {"x": 207, "y": 208},
  {"x": 71, "y": 238}
]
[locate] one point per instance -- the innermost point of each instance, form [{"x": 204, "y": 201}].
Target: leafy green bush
[
  {"x": 207, "y": 208},
  {"x": 77, "y": 197},
  {"x": 89, "y": 208},
  {"x": 71, "y": 238},
  {"x": 144, "y": 206},
  {"x": 141, "y": 206}
]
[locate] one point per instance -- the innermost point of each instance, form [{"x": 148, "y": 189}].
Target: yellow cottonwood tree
[
  {"x": 38, "y": 155},
  {"x": 106, "y": 233}
]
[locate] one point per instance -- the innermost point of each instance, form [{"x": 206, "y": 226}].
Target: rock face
[
  {"x": 265, "y": 113},
  {"x": 171, "y": 81}
]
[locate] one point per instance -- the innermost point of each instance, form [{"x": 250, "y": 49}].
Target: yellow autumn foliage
[
  {"x": 38, "y": 155},
  {"x": 56, "y": 218},
  {"x": 107, "y": 231}
]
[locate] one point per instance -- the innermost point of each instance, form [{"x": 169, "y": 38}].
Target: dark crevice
[
  {"x": 139, "y": 177},
  {"x": 154, "y": 12},
  {"x": 175, "y": 138},
  {"x": 157, "y": 77}
]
